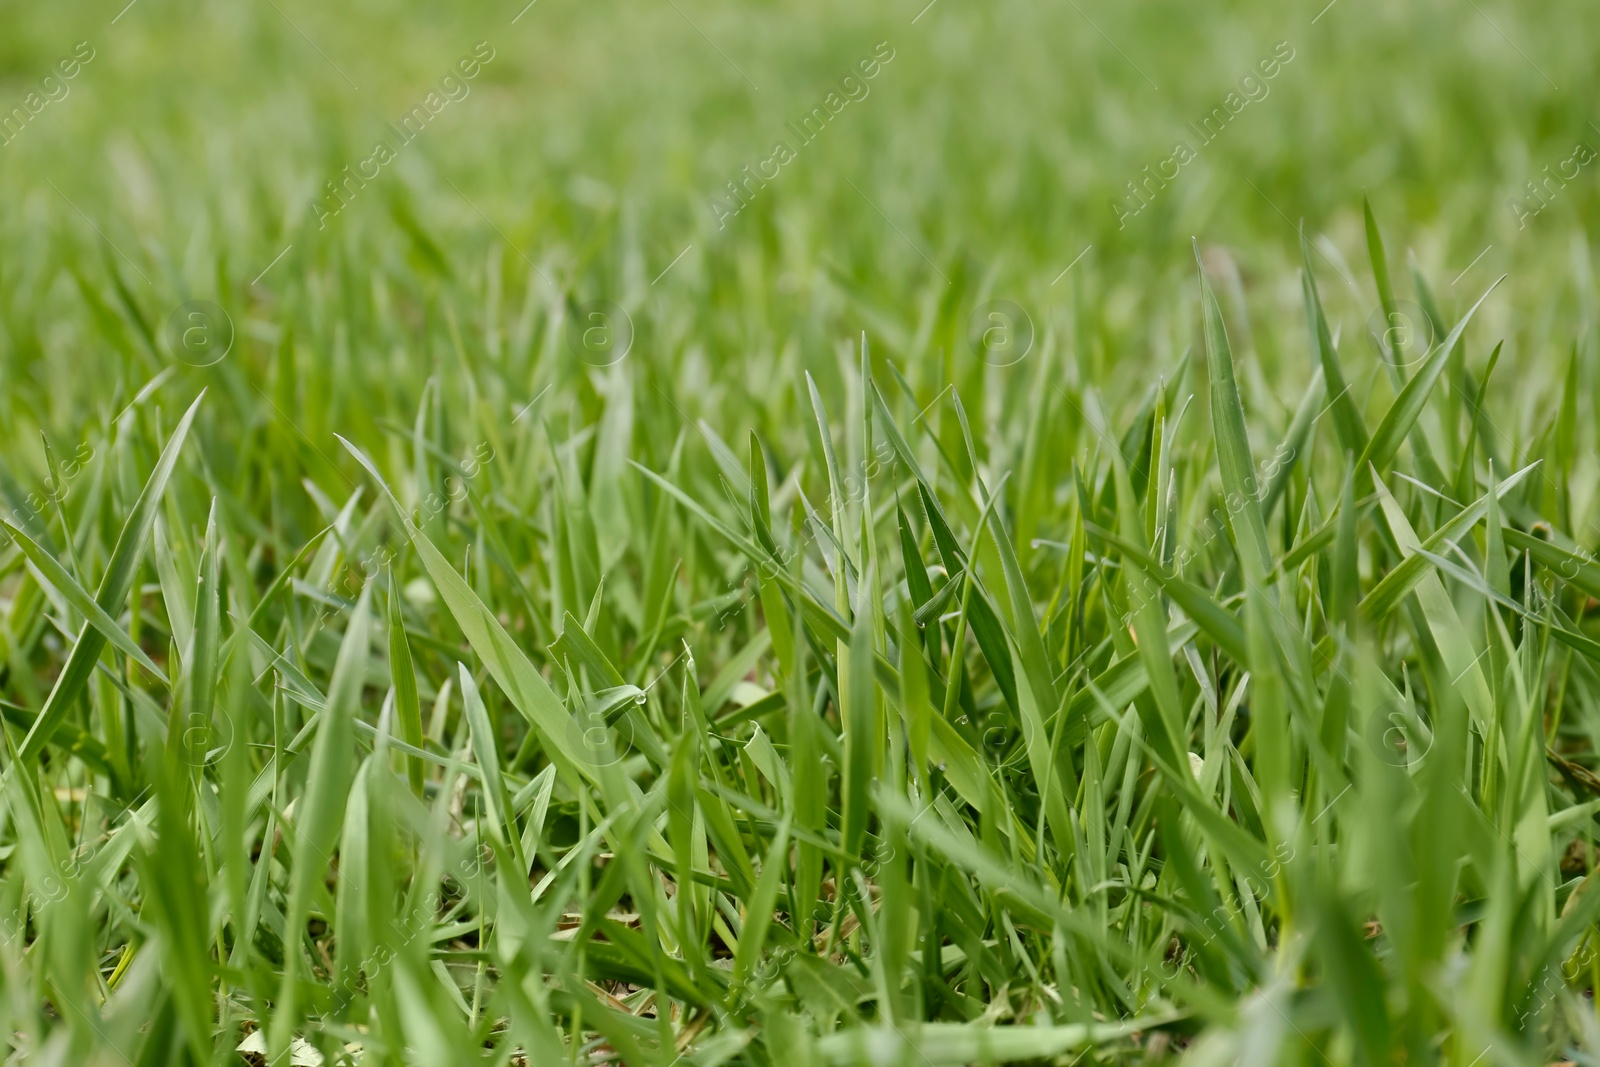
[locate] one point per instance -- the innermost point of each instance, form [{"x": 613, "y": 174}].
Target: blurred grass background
[{"x": 987, "y": 154}]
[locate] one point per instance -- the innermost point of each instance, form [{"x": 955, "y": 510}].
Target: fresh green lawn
[{"x": 799, "y": 533}]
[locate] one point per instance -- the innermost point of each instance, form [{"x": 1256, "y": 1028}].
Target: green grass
[{"x": 932, "y": 615}]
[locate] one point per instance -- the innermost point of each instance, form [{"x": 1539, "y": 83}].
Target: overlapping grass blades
[{"x": 589, "y": 739}]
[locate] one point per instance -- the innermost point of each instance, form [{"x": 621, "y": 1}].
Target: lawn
[{"x": 771, "y": 534}]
